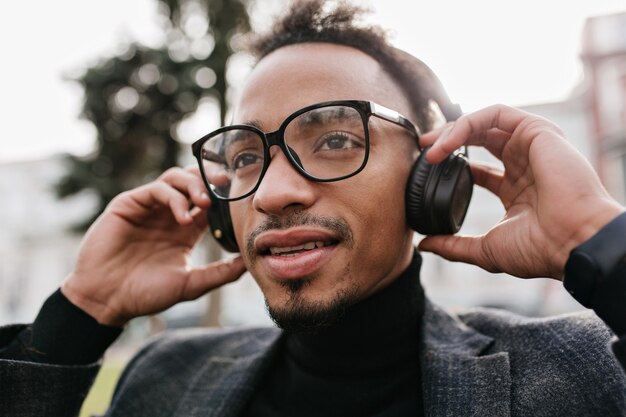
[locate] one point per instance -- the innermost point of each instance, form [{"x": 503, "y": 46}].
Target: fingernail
[{"x": 204, "y": 196}]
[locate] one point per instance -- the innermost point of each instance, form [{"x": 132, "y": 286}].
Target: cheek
[
  {"x": 384, "y": 190},
  {"x": 381, "y": 234},
  {"x": 380, "y": 211},
  {"x": 383, "y": 209}
]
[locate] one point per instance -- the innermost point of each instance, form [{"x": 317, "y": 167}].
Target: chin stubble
[{"x": 301, "y": 316}]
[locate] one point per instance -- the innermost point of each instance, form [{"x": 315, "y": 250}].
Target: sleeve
[
  {"x": 609, "y": 303},
  {"x": 48, "y": 367},
  {"x": 62, "y": 334},
  {"x": 608, "y": 298}
]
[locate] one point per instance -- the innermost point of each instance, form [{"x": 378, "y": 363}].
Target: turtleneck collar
[{"x": 374, "y": 336}]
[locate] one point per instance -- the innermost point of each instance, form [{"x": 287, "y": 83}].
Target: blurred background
[{"x": 101, "y": 96}]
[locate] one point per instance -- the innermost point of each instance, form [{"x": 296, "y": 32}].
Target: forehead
[{"x": 296, "y": 76}]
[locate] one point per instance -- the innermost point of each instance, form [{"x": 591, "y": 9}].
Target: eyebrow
[
  {"x": 254, "y": 123},
  {"x": 235, "y": 137},
  {"x": 321, "y": 115},
  {"x": 315, "y": 118}
]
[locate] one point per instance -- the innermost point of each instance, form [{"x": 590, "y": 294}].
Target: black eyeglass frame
[{"x": 365, "y": 108}]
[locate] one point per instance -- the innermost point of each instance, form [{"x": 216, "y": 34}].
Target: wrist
[
  {"x": 604, "y": 214},
  {"x": 591, "y": 263},
  {"x": 100, "y": 311}
]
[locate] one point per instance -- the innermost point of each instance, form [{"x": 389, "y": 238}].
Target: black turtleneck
[{"x": 367, "y": 364}]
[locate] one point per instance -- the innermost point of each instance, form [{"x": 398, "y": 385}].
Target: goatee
[{"x": 302, "y": 316}]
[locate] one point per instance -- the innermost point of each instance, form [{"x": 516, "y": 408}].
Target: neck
[{"x": 373, "y": 335}]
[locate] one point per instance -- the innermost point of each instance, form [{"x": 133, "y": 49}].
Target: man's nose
[{"x": 282, "y": 188}]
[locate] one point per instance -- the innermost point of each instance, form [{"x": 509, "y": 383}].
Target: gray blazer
[{"x": 482, "y": 363}]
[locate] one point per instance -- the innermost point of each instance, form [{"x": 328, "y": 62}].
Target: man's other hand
[
  {"x": 134, "y": 259},
  {"x": 553, "y": 198}
]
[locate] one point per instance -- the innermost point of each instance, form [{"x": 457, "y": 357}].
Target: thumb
[
  {"x": 468, "y": 249},
  {"x": 204, "y": 279}
]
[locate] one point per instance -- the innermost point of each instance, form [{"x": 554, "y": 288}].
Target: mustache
[{"x": 300, "y": 218}]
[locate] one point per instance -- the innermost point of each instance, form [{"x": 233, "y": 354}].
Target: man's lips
[
  {"x": 293, "y": 250},
  {"x": 295, "y": 253},
  {"x": 282, "y": 242}
]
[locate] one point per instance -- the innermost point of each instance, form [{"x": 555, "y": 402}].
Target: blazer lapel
[
  {"x": 458, "y": 380},
  {"x": 226, "y": 382}
]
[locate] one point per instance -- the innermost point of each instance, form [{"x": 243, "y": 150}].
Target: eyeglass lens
[{"x": 326, "y": 142}]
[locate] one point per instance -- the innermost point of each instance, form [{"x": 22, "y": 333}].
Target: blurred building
[
  {"x": 36, "y": 250},
  {"x": 604, "y": 59}
]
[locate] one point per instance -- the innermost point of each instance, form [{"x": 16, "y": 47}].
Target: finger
[
  {"x": 470, "y": 129},
  {"x": 199, "y": 216},
  {"x": 209, "y": 175},
  {"x": 493, "y": 140},
  {"x": 204, "y": 279},
  {"x": 487, "y": 176},
  {"x": 160, "y": 193},
  {"x": 188, "y": 183},
  {"x": 490, "y": 137},
  {"x": 466, "y": 249},
  {"x": 194, "y": 170},
  {"x": 427, "y": 139}
]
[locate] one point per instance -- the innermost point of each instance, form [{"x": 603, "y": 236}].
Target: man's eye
[
  {"x": 338, "y": 141},
  {"x": 245, "y": 159}
]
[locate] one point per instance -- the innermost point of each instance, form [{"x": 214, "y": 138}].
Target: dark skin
[{"x": 135, "y": 259}]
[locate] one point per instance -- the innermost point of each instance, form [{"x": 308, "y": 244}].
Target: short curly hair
[{"x": 339, "y": 22}]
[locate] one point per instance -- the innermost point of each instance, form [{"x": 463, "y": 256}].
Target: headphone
[{"x": 436, "y": 196}]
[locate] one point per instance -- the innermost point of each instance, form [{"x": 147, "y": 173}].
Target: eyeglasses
[{"x": 324, "y": 142}]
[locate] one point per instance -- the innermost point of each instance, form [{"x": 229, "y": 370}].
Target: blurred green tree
[{"x": 136, "y": 99}]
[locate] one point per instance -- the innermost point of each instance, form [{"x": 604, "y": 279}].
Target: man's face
[{"x": 333, "y": 243}]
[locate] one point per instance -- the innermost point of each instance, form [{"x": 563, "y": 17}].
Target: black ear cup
[
  {"x": 437, "y": 196},
  {"x": 221, "y": 225}
]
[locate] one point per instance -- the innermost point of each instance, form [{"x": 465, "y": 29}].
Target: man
[{"x": 332, "y": 252}]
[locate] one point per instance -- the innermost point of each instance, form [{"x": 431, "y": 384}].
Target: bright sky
[{"x": 484, "y": 51}]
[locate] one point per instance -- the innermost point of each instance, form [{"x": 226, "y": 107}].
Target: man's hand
[
  {"x": 554, "y": 200},
  {"x": 134, "y": 260}
]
